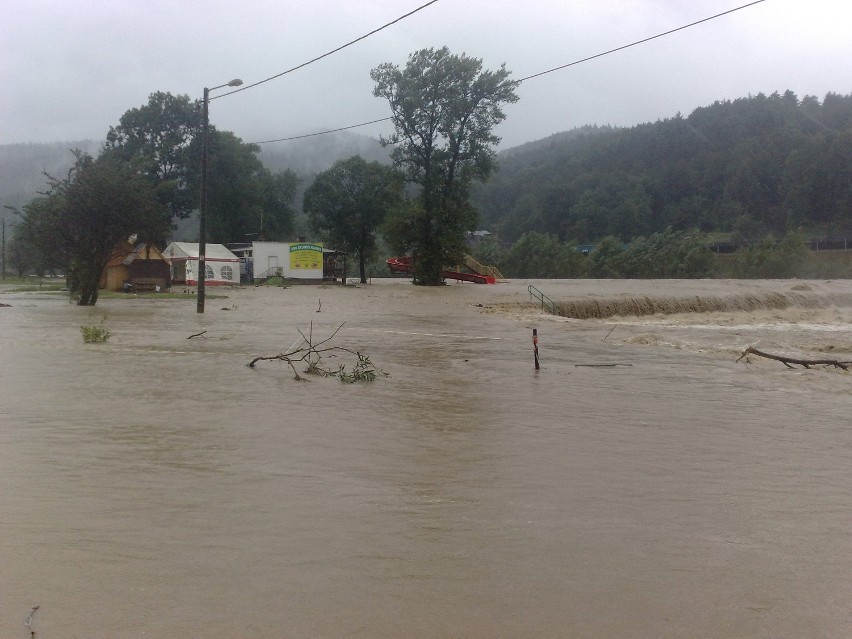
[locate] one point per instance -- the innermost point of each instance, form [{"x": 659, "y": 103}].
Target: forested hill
[{"x": 752, "y": 165}]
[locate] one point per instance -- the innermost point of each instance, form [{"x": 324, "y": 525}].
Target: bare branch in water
[
  {"x": 310, "y": 353},
  {"x": 789, "y": 361}
]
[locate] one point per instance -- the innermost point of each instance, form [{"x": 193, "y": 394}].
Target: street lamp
[{"x": 202, "y": 241}]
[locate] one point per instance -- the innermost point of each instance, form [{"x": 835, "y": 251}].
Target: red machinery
[{"x": 403, "y": 265}]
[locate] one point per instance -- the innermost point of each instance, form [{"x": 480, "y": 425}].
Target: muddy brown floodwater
[{"x": 641, "y": 484}]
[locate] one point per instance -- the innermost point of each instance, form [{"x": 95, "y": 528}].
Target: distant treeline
[
  {"x": 746, "y": 168},
  {"x": 667, "y": 254}
]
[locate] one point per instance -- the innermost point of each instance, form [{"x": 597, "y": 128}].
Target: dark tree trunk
[
  {"x": 88, "y": 297},
  {"x": 87, "y": 282}
]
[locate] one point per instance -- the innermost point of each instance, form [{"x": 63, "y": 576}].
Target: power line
[
  {"x": 325, "y": 55},
  {"x": 633, "y": 44},
  {"x": 535, "y": 75},
  {"x": 310, "y": 135}
]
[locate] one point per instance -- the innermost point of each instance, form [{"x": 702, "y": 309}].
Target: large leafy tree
[
  {"x": 348, "y": 202},
  {"x": 444, "y": 108},
  {"x": 245, "y": 198},
  {"x": 162, "y": 137},
  {"x": 80, "y": 219}
]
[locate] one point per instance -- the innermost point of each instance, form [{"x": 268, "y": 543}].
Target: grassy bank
[{"x": 57, "y": 285}]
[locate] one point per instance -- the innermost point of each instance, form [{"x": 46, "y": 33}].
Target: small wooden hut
[{"x": 136, "y": 268}]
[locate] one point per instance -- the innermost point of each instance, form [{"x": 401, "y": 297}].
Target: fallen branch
[
  {"x": 614, "y": 364},
  {"x": 789, "y": 361},
  {"x": 311, "y": 354},
  {"x": 201, "y": 334},
  {"x": 29, "y": 622}
]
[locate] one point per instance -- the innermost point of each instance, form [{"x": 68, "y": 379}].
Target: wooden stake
[{"x": 535, "y": 347}]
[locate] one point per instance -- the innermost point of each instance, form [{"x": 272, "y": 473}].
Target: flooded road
[{"x": 641, "y": 484}]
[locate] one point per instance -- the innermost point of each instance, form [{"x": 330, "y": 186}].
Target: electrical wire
[
  {"x": 529, "y": 77},
  {"x": 310, "y": 135},
  {"x": 325, "y": 55},
  {"x": 642, "y": 41}
]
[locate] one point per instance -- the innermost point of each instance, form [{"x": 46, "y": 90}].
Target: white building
[
  {"x": 301, "y": 261},
  {"x": 223, "y": 267}
]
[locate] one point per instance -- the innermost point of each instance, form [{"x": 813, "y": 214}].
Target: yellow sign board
[{"x": 305, "y": 256}]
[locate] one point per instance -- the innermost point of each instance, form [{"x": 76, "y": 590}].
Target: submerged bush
[{"x": 95, "y": 334}]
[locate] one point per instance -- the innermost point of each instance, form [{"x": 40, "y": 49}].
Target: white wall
[{"x": 277, "y": 255}]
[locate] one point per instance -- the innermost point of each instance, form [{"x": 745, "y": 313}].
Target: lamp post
[{"x": 202, "y": 231}]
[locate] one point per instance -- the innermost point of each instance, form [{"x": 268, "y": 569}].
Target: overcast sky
[{"x": 70, "y": 68}]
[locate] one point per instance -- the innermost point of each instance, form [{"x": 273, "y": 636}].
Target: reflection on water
[{"x": 156, "y": 486}]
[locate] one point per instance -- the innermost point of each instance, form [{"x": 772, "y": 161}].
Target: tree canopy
[
  {"x": 444, "y": 108},
  {"x": 348, "y": 202},
  {"x": 81, "y": 218},
  {"x": 245, "y": 199},
  {"x": 162, "y": 137}
]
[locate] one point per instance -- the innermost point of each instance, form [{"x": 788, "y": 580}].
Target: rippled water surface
[{"x": 641, "y": 484}]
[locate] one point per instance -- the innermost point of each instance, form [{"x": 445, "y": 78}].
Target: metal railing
[
  {"x": 273, "y": 271},
  {"x": 482, "y": 269},
  {"x": 544, "y": 300}
]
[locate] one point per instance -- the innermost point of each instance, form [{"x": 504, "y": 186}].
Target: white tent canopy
[{"x": 223, "y": 267}]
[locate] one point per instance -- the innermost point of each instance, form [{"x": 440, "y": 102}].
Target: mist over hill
[
  {"x": 748, "y": 166},
  {"x": 22, "y": 166},
  {"x": 312, "y": 155}
]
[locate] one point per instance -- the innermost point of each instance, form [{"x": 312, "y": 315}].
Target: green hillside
[{"x": 742, "y": 168}]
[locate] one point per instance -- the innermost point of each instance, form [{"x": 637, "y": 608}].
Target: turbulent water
[{"x": 643, "y": 483}]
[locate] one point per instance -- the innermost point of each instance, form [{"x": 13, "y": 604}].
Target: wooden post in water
[{"x": 535, "y": 347}]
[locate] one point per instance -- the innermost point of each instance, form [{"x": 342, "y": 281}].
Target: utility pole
[
  {"x": 4, "y": 248},
  {"x": 202, "y": 231}
]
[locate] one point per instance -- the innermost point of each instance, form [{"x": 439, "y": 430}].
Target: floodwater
[{"x": 643, "y": 483}]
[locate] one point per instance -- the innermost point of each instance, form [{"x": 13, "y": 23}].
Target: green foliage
[
  {"x": 770, "y": 258},
  {"x": 95, "y": 334},
  {"x": 606, "y": 258},
  {"x": 667, "y": 255},
  {"x": 670, "y": 254},
  {"x": 363, "y": 371},
  {"x": 348, "y": 203},
  {"x": 244, "y": 197},
  {"x": 24, "y": 255},
  {"x": 274, "y": 281},
  {"x": 444, "y": 108},
  {"x": 490, "y": 253},
  {"x": 537, "y": 255},
  {"x": 162, "y": 138},
  {"x": 750, "y": 166},
  {"x": 81, "y": 218}
]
